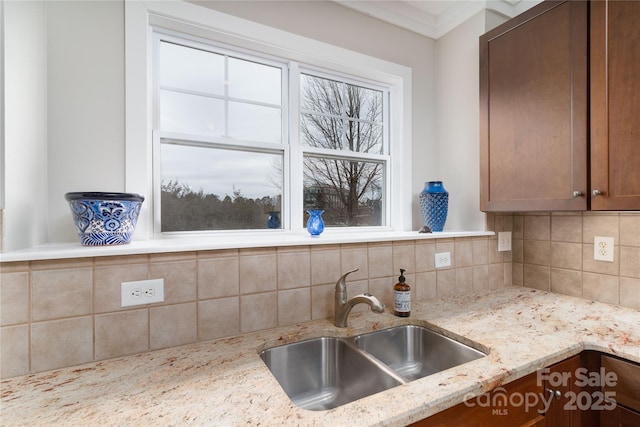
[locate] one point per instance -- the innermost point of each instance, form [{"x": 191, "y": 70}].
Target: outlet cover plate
[
  {"x": 603, "y": 248},
  {"x": 142, "y": 292},
  {"x": 443, "y": 259}
]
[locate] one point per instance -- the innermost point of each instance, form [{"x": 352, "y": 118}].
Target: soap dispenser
[{"x": 401, "y": 297}]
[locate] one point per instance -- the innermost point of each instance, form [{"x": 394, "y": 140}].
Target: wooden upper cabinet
[
  {"x": 534, "y": 110},
  {"x": 615, "y": 104}
]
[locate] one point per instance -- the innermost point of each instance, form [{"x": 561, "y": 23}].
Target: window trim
[{"x": 228, "y": 29}]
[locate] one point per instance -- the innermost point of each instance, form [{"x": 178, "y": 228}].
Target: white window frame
[{"x": 202, "y": 22}]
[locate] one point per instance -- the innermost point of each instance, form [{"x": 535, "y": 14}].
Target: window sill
[{"x": 259, "y": 240}]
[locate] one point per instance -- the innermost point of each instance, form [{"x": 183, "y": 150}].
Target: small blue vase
[
  {"x": 315, "y": 223},
  {"x": 274, "y": 219},
  {"x": 434, "y": 205}
]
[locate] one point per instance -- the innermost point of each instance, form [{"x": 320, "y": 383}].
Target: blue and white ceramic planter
[
  {"x": 105, "y": 218},
  {"x": 434, "y": 205}
]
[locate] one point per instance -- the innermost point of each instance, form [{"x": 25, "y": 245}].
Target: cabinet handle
[
  {"x": 555, "y": 393},
  {"x": 576, "y": 194},
  {"x": 596, "y": 193}
]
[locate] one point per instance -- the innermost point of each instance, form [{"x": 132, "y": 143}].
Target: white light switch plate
[{"x": 504, "y": 241}]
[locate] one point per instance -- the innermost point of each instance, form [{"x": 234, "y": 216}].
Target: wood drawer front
[{"x": 627, "y": 388}]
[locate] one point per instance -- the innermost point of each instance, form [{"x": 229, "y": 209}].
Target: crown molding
[{"x": 434, "y": 18}]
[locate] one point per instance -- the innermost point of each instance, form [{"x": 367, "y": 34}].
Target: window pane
[
  {"x": 180, "y": 112},
  {"x": 255, "y": 123},
  {"x": 322, "y": 95},
  {"x": 363, "y": 137},
  {"x": 364, "y": 104},
  {"x": 255, "y": 82},
  {"x": 349, "y": 191},
  {"x": 187, "y": 68},
  {"x": 322, "y": 131},
  {"x": 219, "y": 189}
]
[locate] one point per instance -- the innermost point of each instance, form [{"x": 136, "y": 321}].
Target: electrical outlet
[
  {"x": 443, "y": 259},
  {"x": 142, "y": 292},
  {"x": 603, "y": 248},
  {"x": 504, "y": 241}
]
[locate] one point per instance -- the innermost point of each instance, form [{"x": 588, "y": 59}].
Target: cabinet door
[
  {"x": 615, "y": 105},
  {"x": 533, "y": 110}
]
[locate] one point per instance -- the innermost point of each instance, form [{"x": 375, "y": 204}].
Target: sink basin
[
  {"x": 414, "y": 351},
  {"x": 326, "y": 372}
]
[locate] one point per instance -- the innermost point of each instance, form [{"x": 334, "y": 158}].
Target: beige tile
[
  {"x": 630, "y": 229},
  {"x": 601, "y": 287},
  {"x": 294, "y": 306},
  {"x": 258, "y": 312},
  {"x": 351, "y": 257},
  {"x": 481, "y": 251},
  {"x": 464, "y": 280},
  {"x": 14, "y": 267},
  {"x": 325, "y": 266},
  {"x": 426, "y": 289},
  {"x": 382, "y": 288},
  {"x": 630, "y": 261},
  {"x": 14, "y": 298},
  {"x": 517, "y": 274},
  {"x": 14, "y": 351},
  {"x": 446, "y": 283},
  {"x": 179, "y": 280},
  {"x": 507, "y": 267},
  {"x": 518, "y": 227},
  {"x": 404, "y": 257},
  {"x": 53, "y": 264},
  {"x": 294, "y": 270},
  {"x": 380, "y": 257},
  {"x": 566, "y": 255},
  {"x": 537, "y": 227},
  {"x": 425, "y": 256},
  {"x": 630, "y": 292},
  {"x": 60, "y": 343},
  {"x": 604, "y": 267},
  {"x": 173, "y": 325},
  {"x": 566, "y": 282},
  {"x": 107, "y": 284},
  {"x": 322, "y": 301},
  {"x": 113, "y": 261},
  {"x": 464, "y": 253},
  {"x": 258, "y": 273},
  {"x": 537, "y": 277},
  {"x": 517, "y": 249},
  {"x": 172, "y": 257},
  {"x": 537, "y": 252},
  {"x": 598, "y": 224},
  {"x": 566, "y": 228},
  {"x": 221, "y": 253},
  {"x": 496, "y": 276},
  {"x": 218, "y": 277},
  {"x": 218, "y": 318},
  {"x": 480, "y": 277},
  {"x": 490, "y": 221},
  {"x": 122, "y": 333},
  {"x": 61, "y": 293}
]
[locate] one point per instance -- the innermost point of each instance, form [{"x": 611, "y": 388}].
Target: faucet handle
[{"x": 340, "y": 284}]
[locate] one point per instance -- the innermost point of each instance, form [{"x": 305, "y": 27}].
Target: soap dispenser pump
[{"x": 401, "y": 297}]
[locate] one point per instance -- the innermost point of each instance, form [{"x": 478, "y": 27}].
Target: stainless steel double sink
[{"x": 327, "y": 372}]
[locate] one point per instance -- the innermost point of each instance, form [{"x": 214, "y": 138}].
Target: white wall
[
  {"x": 85, "y": 104},
  {"x": 25, "y": 124},
  {"x": 458, "y": 118}
]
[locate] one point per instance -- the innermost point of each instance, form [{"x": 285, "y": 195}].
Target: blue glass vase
[
  {"x": 434, "y": 205},
  {"x": 315, "y": 223},
  {"x": 274, "y": 219}
]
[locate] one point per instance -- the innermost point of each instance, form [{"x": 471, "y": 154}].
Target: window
[{"x": 226, "y": 157}]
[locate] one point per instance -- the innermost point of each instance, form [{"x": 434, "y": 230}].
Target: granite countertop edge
[{"x": 224, "y": 381}]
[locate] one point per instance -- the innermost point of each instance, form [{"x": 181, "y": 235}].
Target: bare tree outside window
[{"x": 348, "y": 119}]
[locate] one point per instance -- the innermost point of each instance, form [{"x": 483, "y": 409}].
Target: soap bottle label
[{"x": 402, "y": 301}]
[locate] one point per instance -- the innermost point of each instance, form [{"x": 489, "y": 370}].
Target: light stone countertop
[{"x": 225, "y": 383}]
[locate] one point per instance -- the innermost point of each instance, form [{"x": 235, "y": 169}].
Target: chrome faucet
[{"x": 344, "y": 306}]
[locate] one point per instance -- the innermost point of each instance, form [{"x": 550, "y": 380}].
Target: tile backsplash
[
  {"x": 554, "y": 252},
  {"x": 59, "y": 313}
]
